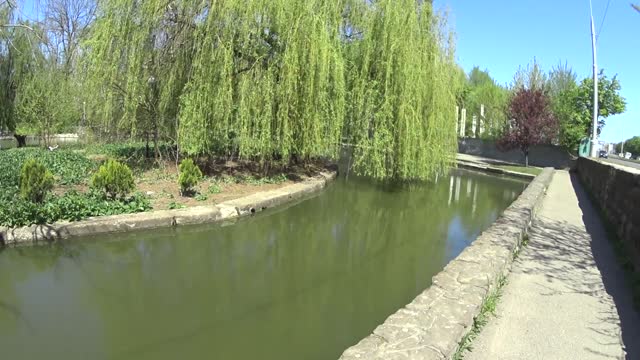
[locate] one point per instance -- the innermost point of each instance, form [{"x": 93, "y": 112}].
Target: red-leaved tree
[{"x": 532, "y": 122}]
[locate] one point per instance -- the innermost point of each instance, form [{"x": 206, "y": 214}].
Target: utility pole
[{"x": 594, "y": 134}]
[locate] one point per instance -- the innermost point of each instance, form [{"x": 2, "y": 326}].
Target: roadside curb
[
  {"x": 228, "y": 210},
  {"x": 434, "y": 323}
]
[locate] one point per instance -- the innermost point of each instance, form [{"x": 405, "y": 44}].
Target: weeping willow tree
[
  {"x": 137, "y": 64},
  {"x": 268, "y": 81},
  {"x": 19, "y": 52},
  {"x": 402, "y": 96},
  {"x": 275, "y": 80}
]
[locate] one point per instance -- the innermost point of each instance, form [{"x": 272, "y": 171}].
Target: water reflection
[{"x": 301, "y": 282}]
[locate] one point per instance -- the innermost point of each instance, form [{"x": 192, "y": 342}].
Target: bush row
[
  {"x": 72, "y": 206},
  {"x": 110, "y": 187}
]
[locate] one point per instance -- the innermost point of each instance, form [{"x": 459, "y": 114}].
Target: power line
[{"x": 606, "y": 11}]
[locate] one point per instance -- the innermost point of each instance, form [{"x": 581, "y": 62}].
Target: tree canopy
[
  {"x": 482, "y": 89},
  {"x": 576, "y": 108},
  {"x": 39, "y": 92},
  {"x": 272, "y": 80},
  {"x": 263, "y": 80},
  {"x": 533, "y": 121},
  {"x": 631, "y": 145},
  {"x": 531, "y": 77}
]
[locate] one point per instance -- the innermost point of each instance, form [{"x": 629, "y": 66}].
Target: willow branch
[{"x": 17, "y": 26}]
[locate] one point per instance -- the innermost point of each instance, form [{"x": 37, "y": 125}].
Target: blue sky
[{"x": 501, "y": 35}]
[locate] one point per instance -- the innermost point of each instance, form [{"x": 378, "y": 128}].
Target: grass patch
[
  {"x": 521, "y": 169},
  {"x": 253, "y": 180},
  {"x": 176, "y": 205},
  {"x": 487, "y": 311}
]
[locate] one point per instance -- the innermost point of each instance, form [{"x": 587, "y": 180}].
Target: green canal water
[{"x": 301, "y": 282}]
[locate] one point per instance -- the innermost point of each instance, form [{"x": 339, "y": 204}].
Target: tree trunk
[
  {"x": 147, "y": 155},
  {"x": 156, "y": 149},
  {"x": 526, "y": 158},
  {"x": 22, "y": 140}
]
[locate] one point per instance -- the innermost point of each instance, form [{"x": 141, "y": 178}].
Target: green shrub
[
  {"x": 67, "y": 166},
  {"x": 114, "y": 179},
  {"x": 72, "y": 206},
  {"x": 214, "y": 189},
  {"x": 189, "y": 176},
  {"x": 35, "y": 181},
  {"x": 174, "y": 206}
]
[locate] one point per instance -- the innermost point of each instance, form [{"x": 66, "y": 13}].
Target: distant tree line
[
  {"x": 631, "y": 145},
  {"x": 567, "y": 104}
]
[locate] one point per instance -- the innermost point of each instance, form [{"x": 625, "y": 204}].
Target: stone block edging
[
  {"x": 433, "y": 324},
  {"x": 165, "y": 218}
]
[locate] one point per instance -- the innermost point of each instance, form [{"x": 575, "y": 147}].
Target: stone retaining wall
[
  {"x": 432, "y": 325},
  {"x": 165, "y": 218},
  {"x": 617, "y": 192},
  {"x": 539, "y": 155}
]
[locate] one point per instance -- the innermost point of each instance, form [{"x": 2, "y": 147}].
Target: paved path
[
  {"x": 566, "y": 297},
  {"x": 632, "y": 166},
  {"x": 482, "y": 160}
]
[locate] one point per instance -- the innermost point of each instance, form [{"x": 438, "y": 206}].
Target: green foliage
[
  {"x": 562, "y": 86},
  {"x": 252, "y": 180},
  {"x": 631, "y": 145},
  {"x": 487, "y": 311},
  {"x": 20, "y": 54},
  {"x": 576, "y": 108},
  {"x": 531, "y": 77},
  {"x": 201, "y": 197},
  {"x": 189, "y": 177},
  {"x": 274, "y": 79},
  {"x": 35, "y": 181},
  {"x": 45, "y": 104},
  {"x": 175, "y": 205},
  {"x": 37, "y": 95},
  {"x": 113, "y": 179},
  {"x": 561, "y": 79},
  {"x": 278, "y": 91},
  {"x": 131, "y": 152},
  {"x": 72, "y": 206},
  {"x": 214, "y": 189},
  {"x": 68, "y": 167},
  {"x": 400, "y": 102},
  {"x": 483, "y": 90}
]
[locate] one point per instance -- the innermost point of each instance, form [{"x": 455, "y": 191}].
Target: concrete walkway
[{"x": 566, "y": 297}]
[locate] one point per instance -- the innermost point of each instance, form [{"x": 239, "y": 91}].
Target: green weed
[{"x": 487, "y": 311}]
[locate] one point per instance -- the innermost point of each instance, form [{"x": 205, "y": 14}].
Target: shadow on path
[
  {"x": 561, "y": 253},
  {"x": 613, "y": 276}
]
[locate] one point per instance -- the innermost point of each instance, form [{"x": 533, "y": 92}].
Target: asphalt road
[{"x": 617, "y": 160}]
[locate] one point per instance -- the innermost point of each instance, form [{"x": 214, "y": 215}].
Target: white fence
[{"x": 58, "y": 139}]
